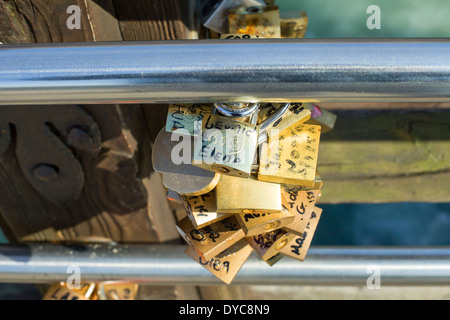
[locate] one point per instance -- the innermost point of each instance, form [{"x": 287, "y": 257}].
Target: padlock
[
  {"x": 258, "y": 223},
  {"x": 274, "y": 259},
  {"x": 186, "y": 118},
  {"x": 321, "y": 117},
  {"x": 262, "y": 21},
  {"x": 226, "y": 264},
  {"x": 298, "y": 247},
  {"x": 213, "y": 239},
  {"x": 213, "y": 14},
  {"x": 180, "y": 176},
  {"x": 238, "y": 36},
  {"x": 318, "y": 183},
  {"x": 247, "y": 195},
  {"x": 227, "y": 146},
  {"x": 269, "y": 244},
  {"x": 173, "y": 196},
  {"x": 291, "y": 158},
  {"x": 115, "y": 290},
  {"x": 202, "y": 209},
  {"x": 293, "y": 24},
  {"x": 295, "y": 114},
  {"x": 62, "y": 291},
  {"x": 301, "y": 204}
]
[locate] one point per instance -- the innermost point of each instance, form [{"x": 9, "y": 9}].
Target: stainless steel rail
[
  {"x": 167, "y": 264},
  {"x": 328, "y": 70}
]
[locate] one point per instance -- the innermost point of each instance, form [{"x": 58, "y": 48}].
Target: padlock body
[
  {"x": 240, "y": 195},
  {"x": 186, "y": 118},
  {"x": 226, "y": 146},
  {"x": 202, "y": 209},
  {"x": 259, "y": 223},
  {"x": 213, "y": 239},
  {"x": 291, "y": 158},
  {"x": 269, "y": 244},
  {"x": 298, "y": 247},
  {"x": 226, "y": 264}
]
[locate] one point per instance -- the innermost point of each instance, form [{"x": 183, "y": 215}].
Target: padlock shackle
[{"x": 209, "y": 71}]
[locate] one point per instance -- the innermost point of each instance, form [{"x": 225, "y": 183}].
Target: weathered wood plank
[
  {"x": 122, "y": 199},
  {"x": 386, "y": 156}
]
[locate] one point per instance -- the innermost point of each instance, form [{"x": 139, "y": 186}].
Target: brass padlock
[
  {"x": 301, "y": 204},
  {"x": 274, "y": 259},
  {"x": 247, "y": 195},
  {"x": 227, "y": 146},
  {"x": 114, "y": 290},
  {"x": 258, "y": 223},
  {"x": 269, "y": 244},
  {"x": 180, "y": 176},
  {"x": 202, "y": 209},
  {"x": 295, "y": 114},
  {"x": 262, "y": 21},
  {"x": 321, "y": 117},
  {"x": 298, "y": 247},
  {"x": 186, "y": 118},
  {"x": 213, "y": 239},
  {"x": 291, "y": 158},
  {"x": 238, "y": 36},
  {"x": 61, "y": 291},
  {"x": 293, "y": 24},
  {"x": 318, "y": 183},
  {"x": 226, "y": 264}
]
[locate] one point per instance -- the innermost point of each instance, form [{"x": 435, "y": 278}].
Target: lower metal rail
[{"x": 167, "y": 264}]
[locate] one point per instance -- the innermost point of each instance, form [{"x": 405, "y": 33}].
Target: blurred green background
[{"x": 347, "y": 18}]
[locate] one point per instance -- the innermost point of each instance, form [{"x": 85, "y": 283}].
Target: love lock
[{"x": 248, "y": 180}]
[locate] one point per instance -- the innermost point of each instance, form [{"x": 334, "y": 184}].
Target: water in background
[
  {"x": 347, "y": 18},
  {"x": 400, "y": 224}
]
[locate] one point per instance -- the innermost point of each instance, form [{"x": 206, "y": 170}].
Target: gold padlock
[
  {"x": 318, "y": 183},
  {"x": 226, "y": 264},
  {"x": 298, "y": 247},
  {"x": 186, "y": 118},
  {"x": 301, "y": 204},
  {"x": 241, "y": 195},
  {"x": 61, "y": 291},
  {"x": 263, "y": 21},
  {"x": 238, "y": 36},
  {"x": 293, "y": 24},
  {"x": 321, "y": 117},
  {"x": 227, "y": 146},
  {"x": 291, "y": 158},
  {"x": 295, "y": 114},
  {"x": 269, "y": 244},
  {"x": 114, "y": 290},
  {"x": 271, "y": 261},
  {"x": 202, "y": 209},
  {"x": 213, "y": 239},
  {"x": 258, "y": 223}
]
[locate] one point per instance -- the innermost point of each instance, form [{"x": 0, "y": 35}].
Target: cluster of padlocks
[
  {"x": 247, "y": 176},
  {"x": 109, "y": 290}
]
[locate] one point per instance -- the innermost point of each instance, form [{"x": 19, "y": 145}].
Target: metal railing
[
  {"x": 225, "y": 71},
  {"x": 167, "y": 264},
  {"x": 315, "y": 70}
]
